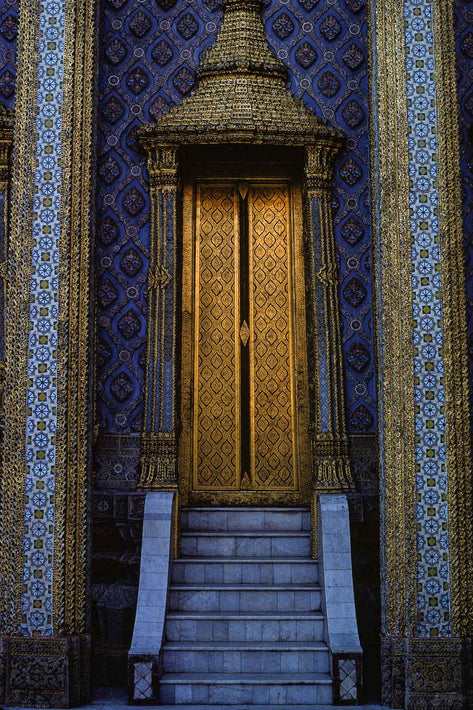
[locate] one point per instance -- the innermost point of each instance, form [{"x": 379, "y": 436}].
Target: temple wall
[{"x": 424, "y": 443}]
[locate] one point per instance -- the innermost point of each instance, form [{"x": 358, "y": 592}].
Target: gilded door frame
[{"x": 281, "y": 497}]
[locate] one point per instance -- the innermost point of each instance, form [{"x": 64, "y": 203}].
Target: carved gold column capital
[
  {"x": 319, "y": 161},
  {"x": 162, "y": 167}
]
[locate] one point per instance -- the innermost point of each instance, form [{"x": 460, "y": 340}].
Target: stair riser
[
  {"x": 246, "y": 601},
  {"x": 187, "y": 661},
  {"x": 241, "y": 573},
  {"x": 245, "y": 520},
  {"x": 233, "y": 546},
  {"x": 244, "y": 630},
  {"x": 215, "y": 694}
]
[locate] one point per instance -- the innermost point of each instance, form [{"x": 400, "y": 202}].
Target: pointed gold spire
[
  {"x": 241, "y": 95},
  {"x": 241, "y": 46}
]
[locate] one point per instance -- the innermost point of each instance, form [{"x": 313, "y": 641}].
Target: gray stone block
[
  {"x": 278, "y": 695},
  {"x": 236, "y": 630},
  {"x": 290, "y": 546},
  {"x": 253, "y": 547},
  {"x": 283, "y": 520},
  {"x": 194, "y": 573},
  {"x": 252, "y": 520},
  {"x": 200, "y": 694},
  {"x": 229, "y": 601},
  {"x": 166, "y": 694},
  {"x": 183, "y": 694},
  {"x": 251, "y": 574},
  {"x": 282, "y": 573},
  {"x": 285, "y": 601}
]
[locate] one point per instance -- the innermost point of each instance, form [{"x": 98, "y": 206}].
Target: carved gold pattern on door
[
  {"x": 245, "y": 426},
  {"x": 216, "y": 409},
  {"x": 272, "y": 381}
]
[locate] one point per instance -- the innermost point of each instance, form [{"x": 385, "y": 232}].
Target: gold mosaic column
[
  {"x": 425, "y": 457},
  {"x": 159, "y": 441},
  {"x": 328, "y": 429},
  {"x": 44, "y": 593}
]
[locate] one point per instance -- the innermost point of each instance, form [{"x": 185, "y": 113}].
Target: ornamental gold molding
[
  {"x": 328, "y": 428},
  {"x": 159, "y": 439},
  {"x": 397, "y": 349},
  {"x": 390, "y": 189},
  {"x": 458, "y": 435},
  {"x": 70, "y": 587},
  {"x": 17, "y": 324},
  {"x": 69, "y": 529}
]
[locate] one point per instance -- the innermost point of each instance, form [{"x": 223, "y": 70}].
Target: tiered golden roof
[{"x": 241, "y": 95}]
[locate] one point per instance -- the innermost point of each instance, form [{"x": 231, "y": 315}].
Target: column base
[
  {"x": 158, "y": 462},
  {"x": 332, "y": 472},
  {"x": 45, "y": 672},
  {"x": 426, "y": 673}
]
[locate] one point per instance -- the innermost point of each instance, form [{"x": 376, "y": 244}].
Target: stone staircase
[{"x": 244, "y": 624}]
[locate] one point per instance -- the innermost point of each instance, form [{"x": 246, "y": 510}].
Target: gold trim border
[
  {"x": 17, "y": 324},
  {"x": 458, "y": 435},
  {"x": 392, "y": 252},
  {"x": 390, "y": 191},
  {"x": 70, "y": 584}
]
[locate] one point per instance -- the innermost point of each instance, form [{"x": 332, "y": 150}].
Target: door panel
[
  {"x": 244, "y": 373},
  {"x": 217, "y": 352},
  {"x": 271, "y": 362}
]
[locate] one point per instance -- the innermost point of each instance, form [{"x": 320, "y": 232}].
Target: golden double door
[{"x": 244, "y": 366}]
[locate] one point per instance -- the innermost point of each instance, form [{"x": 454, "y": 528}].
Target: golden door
[{"x": 244, "y": 377}]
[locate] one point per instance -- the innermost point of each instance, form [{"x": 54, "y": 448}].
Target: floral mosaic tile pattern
[
  {"x": 149, "y": 55},
  {"x": 433, "y": 601},
  {"x": 38, "y": 540}
]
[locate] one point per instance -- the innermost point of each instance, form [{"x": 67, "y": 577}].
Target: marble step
[
  {"x": 276, "y": 597},
  {"x": 246, "y": 544},
  {"x": 284, "y": 689},
  {"x": 238, "y": 657},
  {"x": 232, "y": 570},
  {"x": 232, "y": 626},
  {"x": 256, "y": 519}
]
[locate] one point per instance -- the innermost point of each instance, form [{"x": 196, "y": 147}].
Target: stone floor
[
  {"x": 113, "y": 700},
  {"x": 98, "y": 706}
]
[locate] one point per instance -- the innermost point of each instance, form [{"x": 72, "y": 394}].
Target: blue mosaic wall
[
  {"x": 8, "y": 41},
  {"x": 463, "y": 10},
  {"x": 149, "y": 53}
]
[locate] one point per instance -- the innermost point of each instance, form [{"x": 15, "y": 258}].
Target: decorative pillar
[
  {"x": 159, "y": 441},
  {"x": 426, "y": 472},
  {"x": 6, "y": 138},
  {"x": 44, "y": 614},
  {"x": 328, "y": 429}
]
